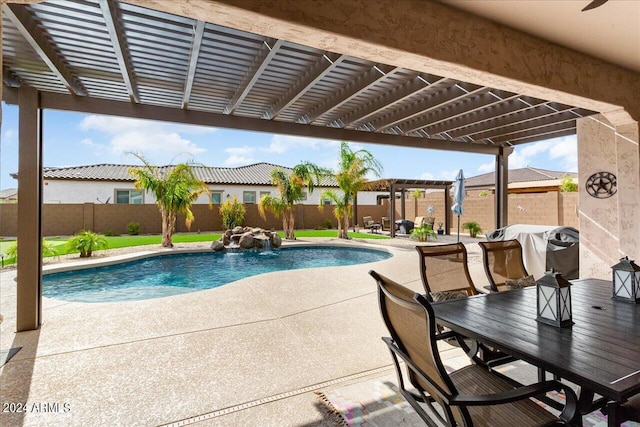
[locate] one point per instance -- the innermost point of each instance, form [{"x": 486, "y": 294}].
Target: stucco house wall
[{"x": 94, "y": 191}]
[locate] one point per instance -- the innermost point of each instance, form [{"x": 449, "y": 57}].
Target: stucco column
[
  {"x": 609, "y": 227},
  {"x": 29, "y": 292}
]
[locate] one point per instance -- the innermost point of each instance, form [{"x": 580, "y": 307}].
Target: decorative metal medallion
[{"x": 601, "y": 185}]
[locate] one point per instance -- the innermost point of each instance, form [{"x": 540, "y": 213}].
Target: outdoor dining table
[{"x": 600, "y": 352}]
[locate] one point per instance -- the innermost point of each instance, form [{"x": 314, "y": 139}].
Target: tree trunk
[
  {"x": 167, "y": 229},
  {"x": 288, "y": 222}
]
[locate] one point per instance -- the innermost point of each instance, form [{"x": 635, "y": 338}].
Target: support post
[
  {"x": 392, "y": 208},
  {"x": 502, "y": 187},
  {"x": 447, "y": 210},
  {"x": 29, "y": 288}
]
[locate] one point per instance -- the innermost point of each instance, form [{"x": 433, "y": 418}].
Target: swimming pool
[{"x": 174, "y": 274}]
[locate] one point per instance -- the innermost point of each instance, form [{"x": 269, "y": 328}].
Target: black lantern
[
  {"x": 626, "y": 281},
  {"x": 554, "y": 300}
]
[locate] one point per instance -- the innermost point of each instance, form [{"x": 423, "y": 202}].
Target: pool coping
[{"x": 119, "y": 259}]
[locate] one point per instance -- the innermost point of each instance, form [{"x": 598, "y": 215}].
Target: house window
[
  {"x": 265, "y": 193},
  {"x": 326, "y": 202},
  {"x": 249, "y": 197},
  {"x": 304, "y": 195},
  {"x": 128, "y": 197},
  {"x": 216, "y": 197}
]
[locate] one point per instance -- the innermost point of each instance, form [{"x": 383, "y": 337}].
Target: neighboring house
[
  {"x": 525, "y": 180},
  {"x": 9, "y": 195},
  {"x": 109, "y": 183}
]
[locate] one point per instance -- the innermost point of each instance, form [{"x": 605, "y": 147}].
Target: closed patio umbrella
[{"x": 458, "y": 197}]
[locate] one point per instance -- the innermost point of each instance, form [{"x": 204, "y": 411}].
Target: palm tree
[
  {"x": 354, "y": 166},
  {"x": 175, "y": 189},
  {"x": 291, "y": 188}
]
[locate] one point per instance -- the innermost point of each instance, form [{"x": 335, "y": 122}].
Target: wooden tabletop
[{"x": 601, "y": 351}]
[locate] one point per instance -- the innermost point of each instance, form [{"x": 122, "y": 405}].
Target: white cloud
[
  {"x": 427, "y": 176},
  {"x": 159, "y": 142},
  {"x": 10, "y": 135},
  {"x": 239, "y": 156},
  {"x": 282, "y": 143},
  {"x": 557, "y": 153}
]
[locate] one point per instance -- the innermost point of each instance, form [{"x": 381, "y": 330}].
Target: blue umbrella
[{"x": 458, "y": 197}]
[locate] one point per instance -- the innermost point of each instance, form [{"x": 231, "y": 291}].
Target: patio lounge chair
[
  {"x": 369, "y": 223},
  {"x": 468, "y": 396},
  {"x": 386, "y": 223},
  {"x": 503, "y": 265}
]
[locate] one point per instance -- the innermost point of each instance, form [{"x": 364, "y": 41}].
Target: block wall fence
[{"x": 550, "y": 208}]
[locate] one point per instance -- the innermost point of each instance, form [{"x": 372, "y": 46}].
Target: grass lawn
[{"x": 114, "y": 242}]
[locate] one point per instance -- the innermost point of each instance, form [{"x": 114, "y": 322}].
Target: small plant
[
  {"x": 328, "y": 224},
  {"x": 86, "y": 242},
  {"x": 416, "y": 194},
  {"x": 423, "y": 233},
  {"x": 483, "y": 193},
  {"x": 567, "y": 185},
  {"x": 133, "y": 228},
  {"x": 48, "y": 249},
  {"x": 110, "y": 233},
  {"x": 473, "y": 227},
  {"x": 232, "y": 212}
]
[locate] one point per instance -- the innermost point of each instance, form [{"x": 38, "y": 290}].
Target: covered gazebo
[{"x": 393, "y": 185}]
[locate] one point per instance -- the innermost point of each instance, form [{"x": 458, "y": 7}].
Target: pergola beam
[
  {"x": 439, "y": 121},
  {"x": 63, "y": 102},
  {"x": 198, "y": 33},
  {"x": 259, "y": 64},
  {"x": 414, "y": 87},
  {"x": 542, "y": 132},
  {"x": 118, "y": 41},
  {"x": 29, "y": 29},
  {"x": 451, "y": 94},
  {"x": 317, "y": 72},
  {"x": 363, "y": 83},
  {"x": 10, "y": 79},
  {"x": 532, "y": 123}
]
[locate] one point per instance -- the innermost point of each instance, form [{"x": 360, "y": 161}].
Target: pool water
[{"x": 175, "y": 274}]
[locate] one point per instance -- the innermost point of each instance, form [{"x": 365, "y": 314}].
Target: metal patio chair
[
  {"x": 468, "y": 396},
  {"x": 503, "y": 263}
]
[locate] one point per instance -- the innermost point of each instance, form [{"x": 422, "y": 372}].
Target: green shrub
[
  {"x": 48, "y": 249},
  {"x": 232, "y": 212},
  {"x": 86, "y": 242},
  {"x": 483, "y": 193},
  {"x": 567, "y": 185},
  {"x": 328, "y": 224},
  {"x": 133, "y": 228},
  {"x": 473, "y": 227},
  {"x": 110, "y": 233},
  {"x": 422, "y": 233}
]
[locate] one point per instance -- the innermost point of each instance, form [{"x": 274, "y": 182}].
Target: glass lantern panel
[
  {"x": 565, "y": 303},
  {"x": 547, "y": 302},
  {"x": 637, "y": 283},
  {"x": 622, "y": 283}
]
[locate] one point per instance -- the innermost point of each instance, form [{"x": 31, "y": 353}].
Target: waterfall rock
[
  {"x": 246, "y": 241},
  {"x": 217, "y": 246},
  {"x": 247, "y": 238}
]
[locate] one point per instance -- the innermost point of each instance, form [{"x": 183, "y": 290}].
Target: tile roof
[
  {"x": 8, "y": 192},
  {"x": 517, "y": 175},
  {"x": 255, "y": 174}
]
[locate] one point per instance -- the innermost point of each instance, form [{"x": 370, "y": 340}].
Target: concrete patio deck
[{"x": 248, "y": 353}]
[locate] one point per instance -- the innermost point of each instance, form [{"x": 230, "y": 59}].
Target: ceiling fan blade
[{"x": 594, "y": 4}]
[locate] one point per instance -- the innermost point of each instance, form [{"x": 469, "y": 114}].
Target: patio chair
[
  {"x": 386, "y": 223},
  {"x": 444, "y": 272},
  {"x": 504, "y": 266},
  {"x": 468, "y": 396},
  {"x": 418, "y": 222}
]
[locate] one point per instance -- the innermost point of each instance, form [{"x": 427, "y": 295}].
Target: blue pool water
[{"x": 166, "y": 275}]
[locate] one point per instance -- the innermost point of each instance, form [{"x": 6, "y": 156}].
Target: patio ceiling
[{"x": 111, "y": 57}]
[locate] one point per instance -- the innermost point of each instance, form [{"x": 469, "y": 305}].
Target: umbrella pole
[{"x": 458, "y": 228}]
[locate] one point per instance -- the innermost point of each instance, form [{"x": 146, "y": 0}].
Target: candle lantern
[
  {"x": 554, "y": 300},
  {"x": 626, "y": 281}
]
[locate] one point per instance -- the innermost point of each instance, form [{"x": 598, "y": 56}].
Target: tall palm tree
[
  {"x": 354, "y": 166},
  {"x": 175, "y": 189},
  {"x": 291, "y": 188}
]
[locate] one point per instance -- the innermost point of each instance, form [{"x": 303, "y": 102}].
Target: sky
[{"x": 71, "y": 139}]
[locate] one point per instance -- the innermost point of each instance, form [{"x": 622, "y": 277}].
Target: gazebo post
[{"x": 392, "y": 208}]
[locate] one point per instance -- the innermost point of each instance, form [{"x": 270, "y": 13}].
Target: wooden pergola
[{"x": 394, "y": 185}]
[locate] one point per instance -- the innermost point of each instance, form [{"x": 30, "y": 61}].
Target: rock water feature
[{"x": 240, "y": 238}]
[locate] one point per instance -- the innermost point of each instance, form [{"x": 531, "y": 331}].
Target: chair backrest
[
  {"x": 419, "y": 222},
  {"x": 444, "y": 268},
  {"x": 367, "y": 221},
  {"x": 411, "y": 322},
  {"x": 502, "y": 261},
  {"x": 386, "y": 223}
]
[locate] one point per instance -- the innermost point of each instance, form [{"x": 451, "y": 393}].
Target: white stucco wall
[{"x": 69, "y": 191}]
